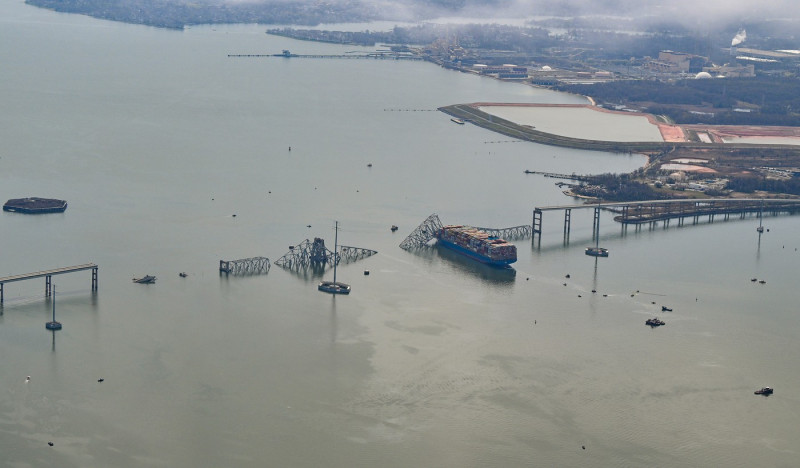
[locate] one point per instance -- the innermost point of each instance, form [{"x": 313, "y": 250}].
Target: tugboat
[
  {"x": 766, "y": 391},
  {"x": 665, "y": 309},
  {"x": 654, "y": 322}
]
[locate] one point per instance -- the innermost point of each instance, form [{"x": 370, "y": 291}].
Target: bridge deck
[
  {"x": 39, "y": 274},
  {"x": 719, "y": 201}
]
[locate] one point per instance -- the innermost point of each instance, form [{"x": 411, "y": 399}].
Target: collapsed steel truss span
[
  {"x": 426, "y": 231},
  {"x": 516, "y": 232},
  {"x": 307, "y": 254},
  {"x": 423, "y": 234},
  {"x": 245, "y": 266}
]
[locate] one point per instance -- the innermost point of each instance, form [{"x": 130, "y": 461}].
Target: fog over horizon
[{"x": 686, "y": 12}]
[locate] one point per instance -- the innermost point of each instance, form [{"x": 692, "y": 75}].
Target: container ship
[{"x": 478, "y": 245}]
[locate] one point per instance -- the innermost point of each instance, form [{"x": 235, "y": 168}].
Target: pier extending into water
[
  {"x": 373, "y": 56},
  {"x": 48, "y": 274},
  {"x": 650, "y": 211}
]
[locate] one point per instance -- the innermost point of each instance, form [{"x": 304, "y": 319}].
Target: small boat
[
  {"x": 665, "y": 309},
  {"x": 394, "y": 228},
  {"x": 597, "y": 251},
  {"x": 654, "y": 322},
  {"x": 147, "y": 279},
  {"x": 334, "y": 287},
  {"x": 53, "y": 325},
  {"x": 458, "y": 121},
  {"x": 766, "y": 391},
  {"x": 182, "y": 274}
]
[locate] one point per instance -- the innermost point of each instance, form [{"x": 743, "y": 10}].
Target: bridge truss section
[
  {"x": 510, "y": 233},
  {"x": 245, "y": 266},
  {"x": 422, "y": 235},
  {"x": 308, "y": 254}
]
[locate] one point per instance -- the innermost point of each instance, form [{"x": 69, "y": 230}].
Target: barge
[{"x": 35, "y": 205}]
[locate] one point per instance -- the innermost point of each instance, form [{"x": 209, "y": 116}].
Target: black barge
[{"x": 35, "y": 205}]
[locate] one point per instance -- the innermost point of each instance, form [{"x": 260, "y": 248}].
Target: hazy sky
[{"x": 685, "y": 11}]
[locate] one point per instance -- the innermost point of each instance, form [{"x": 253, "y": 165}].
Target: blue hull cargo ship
[{"x": 478, "y": 245}]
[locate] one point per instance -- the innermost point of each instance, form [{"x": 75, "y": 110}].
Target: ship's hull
[{"x": 475, "y": 256}]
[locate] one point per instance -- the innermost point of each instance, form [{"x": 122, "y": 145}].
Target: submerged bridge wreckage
[
  {"x": 308, "y": 254},
  {"x": 425, "y": 232},
  {"x": 244, "y": 266}
]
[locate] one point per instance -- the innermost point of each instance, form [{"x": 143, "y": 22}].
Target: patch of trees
[
  {"x": 771, "y": 100},
  {"x": 177, "y": 14},
  {"x": 618, "y": 188},
  {"x": 751, "y": 184}
]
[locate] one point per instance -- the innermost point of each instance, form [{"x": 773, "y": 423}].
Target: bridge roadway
[
  {"x": 648, "y": 211},
  {"x": 47, "y": 274}
]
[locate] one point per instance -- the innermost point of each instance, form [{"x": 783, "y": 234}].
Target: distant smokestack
[{"x": 739, "y": 38}]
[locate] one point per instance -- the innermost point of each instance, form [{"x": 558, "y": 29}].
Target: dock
[
  {"x": 48, "y": 274},
  {"x": 377, "y": 56}
]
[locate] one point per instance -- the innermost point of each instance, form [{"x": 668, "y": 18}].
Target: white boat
[
  {"x": 334, "y": 287},
  {"x": 53, "y": 325},
  {"x": 597, "y": 251},
  {"x": 458, "y": 121}
]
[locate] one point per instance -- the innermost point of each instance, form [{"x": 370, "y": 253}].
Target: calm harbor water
[{"x": 157, "y": 138}]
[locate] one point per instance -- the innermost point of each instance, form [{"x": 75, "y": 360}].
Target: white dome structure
[
  {"x": 547, "y": 68},
  {"x": 702, "y": 76}
]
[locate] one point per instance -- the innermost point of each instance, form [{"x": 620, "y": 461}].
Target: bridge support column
[
  {"x": 537, "y": 225},
  {"x": 596, "y": 223},
  {"x": 48, "y": 282},
  {"x": 1, "y": 292},
  {"x": 567, "y": 222},
  {"x": 94, "y": 279}
]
